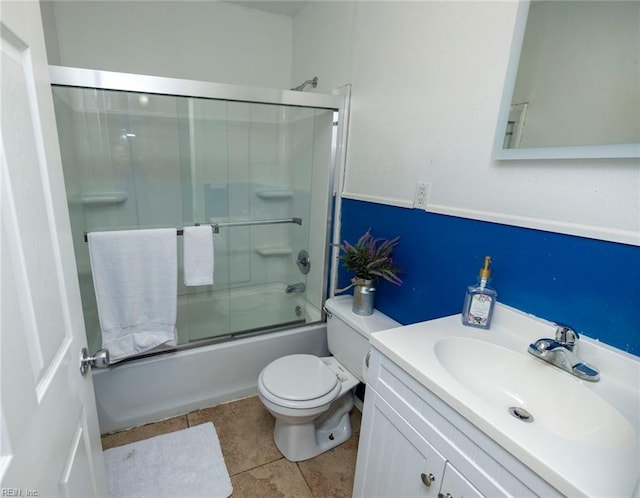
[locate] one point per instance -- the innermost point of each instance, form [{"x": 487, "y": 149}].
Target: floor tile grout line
[
  {"x": 305, "y": 480},
  {"x": 257, "y": 467}
]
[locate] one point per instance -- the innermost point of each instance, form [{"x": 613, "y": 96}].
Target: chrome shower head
[{"x": 313, "y": 83}]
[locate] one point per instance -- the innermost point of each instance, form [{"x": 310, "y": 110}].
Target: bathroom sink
[
  {"x": 538, "y": 394},
  {"x": 581, "y": 437}
]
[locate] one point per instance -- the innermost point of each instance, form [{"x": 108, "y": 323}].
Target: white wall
[
  {"x": 212, "y": 41},
  {"x": 322, "y": 44},
  {"x": 427, "y": 84}
]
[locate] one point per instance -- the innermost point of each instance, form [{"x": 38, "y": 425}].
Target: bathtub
[{"x": 148, "y": 389}]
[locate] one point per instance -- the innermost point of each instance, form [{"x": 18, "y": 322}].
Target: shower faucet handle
[{"x": 303, "y": 262}]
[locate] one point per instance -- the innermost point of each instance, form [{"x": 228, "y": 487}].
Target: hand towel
[
  {"x": 198, "y": 255},
  {"x": 135, "y": 277}
]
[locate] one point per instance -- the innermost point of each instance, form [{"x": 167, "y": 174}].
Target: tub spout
[{"x": 299, "y": 287}]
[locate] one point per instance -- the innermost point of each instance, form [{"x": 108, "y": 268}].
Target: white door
[{"x": 49, "y": 439}]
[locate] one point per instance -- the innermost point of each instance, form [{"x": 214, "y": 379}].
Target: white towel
[
  {"x": 198, "y": 255},
  {"x": 135, "y": 277}
]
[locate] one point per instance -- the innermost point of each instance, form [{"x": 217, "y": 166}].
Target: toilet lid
[{"x": 298, "y": 377}]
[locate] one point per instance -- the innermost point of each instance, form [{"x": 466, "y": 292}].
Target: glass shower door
[
  {"x": 271, "y": 151},
  {"x": 134, "y": 160}
]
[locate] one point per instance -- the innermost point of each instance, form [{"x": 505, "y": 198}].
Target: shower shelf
[
  {"x": 104, "y": 198},
  {"x": 271, "y": 251},
  {"x": 274, "y": 194}
]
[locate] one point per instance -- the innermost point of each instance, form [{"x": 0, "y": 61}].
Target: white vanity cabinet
[
  {"x": 454, "y": 485},
  {"x": 399, "y": 462},
  {"x": 413, "y": 444}
]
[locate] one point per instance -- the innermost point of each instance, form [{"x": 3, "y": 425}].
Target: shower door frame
[
  {"x": 110, "y": 80},
  {"x": 160, "y": 85}
]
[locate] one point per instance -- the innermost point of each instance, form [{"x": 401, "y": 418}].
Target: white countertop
[{"x": 573, "y": 465}]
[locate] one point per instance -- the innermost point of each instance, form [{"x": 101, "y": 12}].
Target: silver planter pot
[{"x": 364, "y": 294}]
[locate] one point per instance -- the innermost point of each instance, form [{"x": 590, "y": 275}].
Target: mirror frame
[{"x": 568, "y": 152}]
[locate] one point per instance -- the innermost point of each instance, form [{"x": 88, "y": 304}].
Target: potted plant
[{"x": 369, "y": 259}]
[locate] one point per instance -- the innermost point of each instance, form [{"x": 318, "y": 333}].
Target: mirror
[{"x": 573, "y": 83}]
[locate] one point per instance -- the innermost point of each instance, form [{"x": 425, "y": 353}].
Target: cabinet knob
[
  {"x": 448, "y": 495},
  {"x": 427, "y": 479}
]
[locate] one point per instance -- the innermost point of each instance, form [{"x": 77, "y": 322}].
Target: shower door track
[{"x": 215, "y": 340}]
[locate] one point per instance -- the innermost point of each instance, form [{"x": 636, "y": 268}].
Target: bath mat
[{"x": 186, "y": 463}]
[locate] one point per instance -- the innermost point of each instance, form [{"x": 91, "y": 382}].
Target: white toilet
[{"x": 311, "y": 397}]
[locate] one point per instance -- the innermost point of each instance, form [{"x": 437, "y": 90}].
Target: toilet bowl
[{"x": 311, "y": 397}]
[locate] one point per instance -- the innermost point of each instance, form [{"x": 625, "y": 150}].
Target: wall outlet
[{"x": 421, "y": 196}]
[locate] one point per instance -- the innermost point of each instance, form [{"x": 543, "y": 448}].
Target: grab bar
[{"x": 216, "y": 226}]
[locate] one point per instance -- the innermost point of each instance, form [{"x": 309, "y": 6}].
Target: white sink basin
[
  {"x": 555, "y": 401},
  {"x": 584, "y": 439}
]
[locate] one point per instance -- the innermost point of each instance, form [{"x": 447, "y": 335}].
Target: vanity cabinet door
[
  {"x": 393, "y": 459},
  {"x": 454, "y": 485}
]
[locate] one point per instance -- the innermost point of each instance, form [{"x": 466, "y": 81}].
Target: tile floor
[{"x": 256, "y": 467}]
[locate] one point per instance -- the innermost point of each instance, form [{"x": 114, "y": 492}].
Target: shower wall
[{"x": 134, "y": 160}]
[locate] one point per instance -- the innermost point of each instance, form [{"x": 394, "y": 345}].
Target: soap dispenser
[{"x": 480, "y": 300}]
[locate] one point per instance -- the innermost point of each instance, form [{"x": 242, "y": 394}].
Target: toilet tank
[{"x": 348, "y": 334}]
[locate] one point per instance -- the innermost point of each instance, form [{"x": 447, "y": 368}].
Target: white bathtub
[{"x": 149, "y": 389}]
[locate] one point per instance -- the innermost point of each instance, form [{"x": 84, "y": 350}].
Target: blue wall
[{"x": 592, "y": 285}]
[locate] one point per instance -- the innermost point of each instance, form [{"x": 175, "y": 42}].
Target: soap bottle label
[{"x": 480, "y": 309}]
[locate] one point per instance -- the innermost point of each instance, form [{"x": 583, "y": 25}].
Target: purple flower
[{"x": 370, "y": 258}]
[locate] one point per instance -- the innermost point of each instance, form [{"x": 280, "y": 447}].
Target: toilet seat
[{"x": 299, "y": 381}]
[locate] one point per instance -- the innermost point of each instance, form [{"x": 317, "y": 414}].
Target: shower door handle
[{"x": 99, "y": 360}]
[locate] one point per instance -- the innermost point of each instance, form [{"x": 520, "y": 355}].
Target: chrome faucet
[
  {"x": 299, "y": 287},
  {"x": 559, "y": 352}
]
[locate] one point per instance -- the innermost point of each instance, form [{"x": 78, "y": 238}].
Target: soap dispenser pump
[{"x": 480, "y": 300}]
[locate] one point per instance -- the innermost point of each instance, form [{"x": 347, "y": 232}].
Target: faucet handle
[{"x": 566, "y": 336}]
